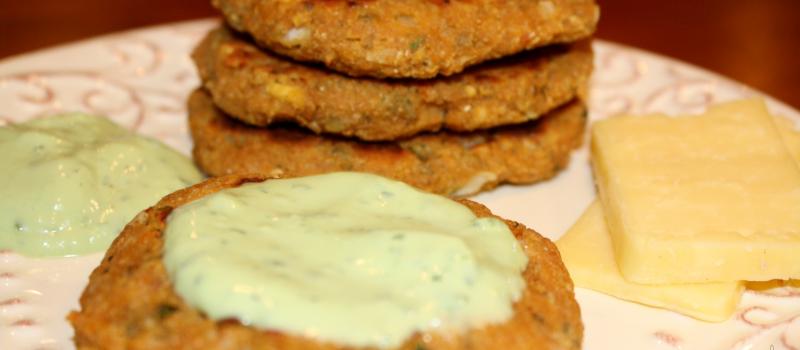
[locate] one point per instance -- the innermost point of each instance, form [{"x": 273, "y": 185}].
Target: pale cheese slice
[
  {"x": 790, "y": 135},
  {"x": 788, "y": 286},
  {"x": 703, "y": 198},
  {"x": 587, "y": 253}
]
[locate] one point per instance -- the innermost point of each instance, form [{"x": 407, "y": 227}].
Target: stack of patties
[{"x": 452, "y": 97}]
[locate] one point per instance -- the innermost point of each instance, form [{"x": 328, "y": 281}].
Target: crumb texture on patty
[
  {"x": 260, "y": 88},
  {"x": 408, "y": 38},
  {"x": 130, "y": 303},
  {"x": 445, "y": 162}
]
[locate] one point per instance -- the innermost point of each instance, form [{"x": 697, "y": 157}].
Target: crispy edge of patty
[
  {"x": 408, "y": 39},
  {"x": 130, "y": 303},
  {"x": 444, "y": 162},
  {"x": 260, "y": 88}
]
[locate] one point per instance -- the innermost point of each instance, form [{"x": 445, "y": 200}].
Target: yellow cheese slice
[
  {"x": 772, "y": 285},
  {"x": 587, "y": 253},
  {"x": 790, "y": 135},
  {"x": 706, "y": 198}
]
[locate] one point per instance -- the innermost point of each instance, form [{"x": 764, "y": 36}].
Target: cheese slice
[
  {"x": 587, "y": 253},
  {"x": 703, "y": 198},
  {"x": 774, "y": 286},
  {"x": 791, "y": 137}
]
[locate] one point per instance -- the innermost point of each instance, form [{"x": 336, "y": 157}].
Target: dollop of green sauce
[
  {"x": 349, "y": 258},
  {"x": 70, "y": 183}
]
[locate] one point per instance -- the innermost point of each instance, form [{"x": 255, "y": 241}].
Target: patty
[
  {"x": 130, "y": 302},
  {"x": 260, "y": 88},
  {"x": 408, "y": 38},
  {"x": 444, "y": 162}
]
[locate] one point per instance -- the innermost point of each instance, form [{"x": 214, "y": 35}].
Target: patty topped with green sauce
[{"x": 326, "y": 262}]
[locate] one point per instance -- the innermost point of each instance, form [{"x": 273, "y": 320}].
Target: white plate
[{"x": 142, "y": 78}]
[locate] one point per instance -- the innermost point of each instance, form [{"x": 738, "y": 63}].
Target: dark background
[{"x": 756, "y": 42}]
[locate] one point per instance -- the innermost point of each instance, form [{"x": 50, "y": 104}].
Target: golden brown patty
[
  {"x": 444, "y": 162},
  {"x": 408, "y": 38},
  {"x": 130, "y": 302},
  {"x": 258, "y": 88}
]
